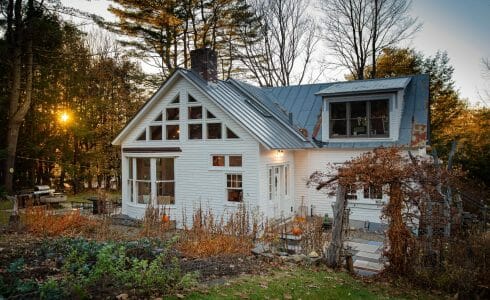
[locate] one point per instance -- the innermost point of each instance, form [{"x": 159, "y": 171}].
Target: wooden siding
[{"x": 197, "y": 184}]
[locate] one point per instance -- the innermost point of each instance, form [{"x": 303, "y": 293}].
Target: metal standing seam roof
[
  {"x": 302, "y": 101},
  {"x": 365, "y": 86},
  {"x": 266, "y": 127}
]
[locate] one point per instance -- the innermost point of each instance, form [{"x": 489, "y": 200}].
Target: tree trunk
[{"x": 332, "y": 254}]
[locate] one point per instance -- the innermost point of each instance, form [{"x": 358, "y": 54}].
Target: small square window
[
  {"x": 172, "y": 114},
  {"x": 173, "y": 132},
  {"x": 195, "y": 112},
  {"x": 235, "y": 160},
  {"x": 218, "y": 160},
  {"x": 214, "y": 130},
  {"x": 195, "y": 131},
  {"x": 156, "y": 133}
]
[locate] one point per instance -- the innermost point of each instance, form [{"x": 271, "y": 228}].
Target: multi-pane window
[
  {"x": 143, "y": 180},
  {"x": 165, "y": 181},
  {"x": 151, "y": 180},
  {"x": 221, "y": 160},
  {"x": 234, "y": 187},
  {"x": 359, "y": 119},
  {"x": 351, "y": 193}
]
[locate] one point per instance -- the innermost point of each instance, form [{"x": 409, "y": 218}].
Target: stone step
[{"x": 368, "y": 265}]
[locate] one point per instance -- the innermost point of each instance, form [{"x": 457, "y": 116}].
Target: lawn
[{"x": 291, "y": 282}]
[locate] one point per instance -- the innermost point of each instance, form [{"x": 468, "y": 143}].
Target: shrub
[
  {"x": 41, "y": 221},
  {"x": 210, "y": 236}
]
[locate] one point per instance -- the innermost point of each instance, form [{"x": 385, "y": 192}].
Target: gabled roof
[
  {"x": 365, "y": 86},
  {"x": 266, "y": 112},
  {"x": 258, "y": 116}
]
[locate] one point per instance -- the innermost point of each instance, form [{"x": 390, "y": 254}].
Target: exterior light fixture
[{"x": 279, "y": 154}]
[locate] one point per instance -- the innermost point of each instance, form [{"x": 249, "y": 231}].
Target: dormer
[{"x": 366, "y": 111}]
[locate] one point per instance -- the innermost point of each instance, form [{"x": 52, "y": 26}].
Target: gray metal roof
[
  {"x": 302, "y": 102},
  {"x": 365, "y": 86},
  {"x": 261, "y": 120}
]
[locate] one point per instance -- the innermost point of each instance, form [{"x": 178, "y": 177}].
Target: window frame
[
  {"x": 392, "y": 113},
  {"x": 228, "y": 188},
  {"x": 227, "y": 166},
  {"x": 132, "y": 191}
]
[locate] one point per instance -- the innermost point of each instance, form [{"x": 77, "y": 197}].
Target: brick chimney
[{"x": 204, "y": 61}]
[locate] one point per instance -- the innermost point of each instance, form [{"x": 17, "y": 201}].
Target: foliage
[
  {"x": 231, "y": 234},
  {"x": 359, "y": 30},
  {"x": 145, "y": 267},
  {"x": 450, "y": 118},
  {"x": 164, "y": 33},
  {"x": 410, "y": 183}
]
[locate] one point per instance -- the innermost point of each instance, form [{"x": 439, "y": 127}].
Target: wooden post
[{"x": 332, "y": 254}]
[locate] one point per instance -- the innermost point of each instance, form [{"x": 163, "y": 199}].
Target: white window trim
[
  {"x": 226, "y": 167},
  {"x": 152, "y": 156},
  {"x": 225, "y": 178},
  {"x": 393, "y": 106}
]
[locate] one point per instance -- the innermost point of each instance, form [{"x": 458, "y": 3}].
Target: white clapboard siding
[{"x": 197, "y": 184}]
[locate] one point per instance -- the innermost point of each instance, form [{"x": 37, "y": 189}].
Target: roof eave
[{"x": 378, "y": 91}]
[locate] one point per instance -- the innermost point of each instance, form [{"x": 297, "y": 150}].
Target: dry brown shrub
[
  {"x": 210, "y": 236},
  {"x": 156, "y": 222},
  {"x": 313, "y": 237},
  {"x": 42, "y": 221}
]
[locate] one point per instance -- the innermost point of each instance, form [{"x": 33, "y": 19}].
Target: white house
[{"x": 203, "y": 142}]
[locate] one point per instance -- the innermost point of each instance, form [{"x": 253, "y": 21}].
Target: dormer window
[{"x": 358, "y": 119}]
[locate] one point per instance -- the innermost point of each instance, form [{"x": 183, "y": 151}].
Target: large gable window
[{"x": 357, "y": 119}]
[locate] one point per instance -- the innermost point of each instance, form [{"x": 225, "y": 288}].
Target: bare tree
[
  {"x": 287, "y": 42},
  {"x": 357, "y": 30}
]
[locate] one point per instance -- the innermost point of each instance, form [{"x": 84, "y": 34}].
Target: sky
[{"x": 460, "y": 27}]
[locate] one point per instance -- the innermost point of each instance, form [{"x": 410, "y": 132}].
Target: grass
[
  {"x": 4, "y": 214},
  {"x": 306, "y": 283},
  {"x": 83, "y": 197}
]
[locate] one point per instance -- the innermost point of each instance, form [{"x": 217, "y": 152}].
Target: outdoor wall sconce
[{"x": 279, "y": 154}]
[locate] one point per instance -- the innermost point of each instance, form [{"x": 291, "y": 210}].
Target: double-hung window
[
  {"x": 234, "y": 187},
  {"x": 358, "y": 119}
]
